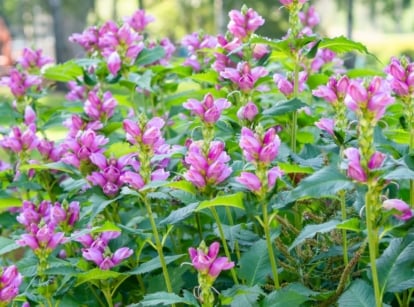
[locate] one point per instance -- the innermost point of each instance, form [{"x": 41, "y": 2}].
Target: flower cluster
[
  {"x": 401, "y": 76},
  {"x": 196, "y": 43},
  {"x": 10, "y": 281},
  {"x": 209, "y": 109},
  {"x": 97, "y": 250},
  {"x": 286, "y": 84},
  {"x": 356, "y": 170}
]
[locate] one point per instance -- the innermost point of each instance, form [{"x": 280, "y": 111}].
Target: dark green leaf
[
  {"x": 162, "y": 299},
  {"x": 255, "y": 264},
  {"x": 7, "y": 245},
  {"x": 240, "y": 295},
  {"x": 179, "y": 215},
  {"x": 311, "y": 230},
  {"x": 149, "y": 56},
  {"x": 359, "y": 294},
  {"x": 285, "y": 107},
  {"x": 153, "y": 264},
  {"x": 284, "y": 298}
]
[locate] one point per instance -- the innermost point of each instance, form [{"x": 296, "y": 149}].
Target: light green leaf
[
  {"x": 9, "y": 202},
  {"x": 96, "y": 274},
  {"x": 288, "y": 168},
  {"x": 352, "y": 224},
  {"x": 285, "y": 107},
  {"x": 255, "y": 264},
  {"x": 311, "y": 230},
  {"x": 65, "y": 72},
  {"x": 60, "y": 166},
  {"x": 232, "y": 200},
  {"x": 182, "y": 185},
  {"x": 396, "y": 265},
  {"x": 210, "y": 77},
  {"x": 162, "y": 299},
  {"x": 120, "y": 149},
  {"x": 342, "y": 44},
  {"x": 149, "y": 56},
  {"x": 153, "y": 264},
  {"x": 399, "y": 136},
  {"x": 359, "y": 294},
  {"x": 107, "y": 226},
  {"x": 364, "y": 72}
]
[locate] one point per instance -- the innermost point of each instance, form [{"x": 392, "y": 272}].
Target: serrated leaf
[
  {"x": 359, "y": 294},
  {"x": 285, "y": 107},
  {"x": 60, "y": 166},
  {"x": 342, "y": 44},
  {"x": 162, "y": 299},
  {"x": 65, "y": 72},
  {"x": 285, "y": 297},
  {"x": 255, "y": 264},
  {"x": 96, "y": 274},
  {"x": 232, "y": 200},
  {"x": 149, "y": 56},
  {"x": 241, "y": 295},
  {"x": 179, "y": 215},
  {"x": 396, "y": 265},
  {"x": 311, "y": 230},
  {"x": 153, "y": 264},
  {"x": 7, "y": 245},
  {"x": 182, "y": 185}
]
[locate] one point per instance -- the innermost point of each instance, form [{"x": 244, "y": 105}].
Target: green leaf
[
  {"x": 149, "y": 56},
  {"x": 352, "y": 224},
  {"x": 364, "y": 72},
  {"x": 107, "y": 226},
  {"x": 179, "y": 215},
  {"x": 96, "y": 274},
  {"x": 232, "y": 200},
  {"x": 182, "y": 185},
  {"x": 342, "y": 44},
  {"x": 65, "y": 72},
  {"x": 9, "y": 202},
  {"x": 255, "y": 264},
  {"x": 399, "y": 136},
  {"x": 60, "y": 166},
  {"x": 399, "y": 173},
  {"x": 396, "y": 265},
  {"x": 7, "y": 245},
  {"x": 153, "y": 264},
  {"x": 359, "y": 294},
  {"x": 288, "y": 168},
  {"x": 311, "y": 230},
  {"x": 315, "y": 80},
  {"x": 326, "y": 182},
  {"x": 237, "y": 233},
  {"x": 241, "y": 295},
  {"x": 162, "y": 299},
  {"x": 285, "y": 107},
  {"x": 285, "y": 297},
  {"x": 209, "y": 77}
]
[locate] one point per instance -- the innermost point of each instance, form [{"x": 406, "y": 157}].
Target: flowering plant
[{"x": 123, "y": 192}]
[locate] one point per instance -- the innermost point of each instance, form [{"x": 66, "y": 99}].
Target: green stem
[
  {"x": 371, "y": 201},
  {"x": 344, "y": 236},
  {"x": 266, "y": 228},
  {"x": 159, "y": 246},
  {"x": 223, "y": 240},
  {"x": 107, "y": 293},
  {"x": 295, "y": 113}
]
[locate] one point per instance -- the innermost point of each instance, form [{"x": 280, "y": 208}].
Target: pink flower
[
  {"x": 259, "y": 148},
  {"x": 250, "y": 181},
  {"x": 209, "y": 109},
  {"x": 310, "y": 18},
  {"x": 405, "y": 212},
  {"x": 10, "y": 281},
  {"x": 286, "y": 85},
  {"x": 248, "y": 112},
  {"x": 355, "y": 170},
  {"x": 139, "y": 20},
  {"x": 244, "y": 76},
  {"x": 243, "y": 23},
  {"x": 33, "y": 59},
  {"x": 205, "y": 260},
  {"x": 326, "y": 124},
  {"x": 401, "y": 76},
  {"x": 114, "y": 63}
]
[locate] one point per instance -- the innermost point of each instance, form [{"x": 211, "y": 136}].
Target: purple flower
[
  {"x": 401, "y": 77},
  {"x": 43, "y": 238},
  {"x": 132, "y": 179},
  {"x": 114, "y": 63},
  {"x": 150, "y": 135},
  {"x": 334, "y": 91},
  {"x": 244, "y": 23},
  {"x": 310, "y": 18},
  {"x": 100, "y": 108},
  {"x": 355, "y": 170},
  {"x": 209, "y": 109},
  {"x": 244, "y": 77},
  {"x": 18, "y": 140},
  {"x": 33, "y": 59},
  {"x": 139, "y": 20},
  {"x": 10, "y": 281},
  {"x": 248, "y": 112},
  {"x": 404, "y": 209},
  {"x": 252, "y": 181},
  {"x": 289, "y": 3},
  {"x": 259, "y": 148},
  {"x": 205, "y": 260},
  {"x": 286, "y": 85},
  {"x": 326, "y": 124},
  {"x": 20, "y": 82}
]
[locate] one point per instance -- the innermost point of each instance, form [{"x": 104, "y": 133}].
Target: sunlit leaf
[{"x": 232, "y": 200}]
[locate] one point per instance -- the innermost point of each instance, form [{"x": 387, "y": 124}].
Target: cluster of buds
[
  {"x": 244, "y": 77},
  {"x": 41, "y": 223},
  {"x": 209, "y": 109},
  {"x": 401, "y": 77},
  {"x": 100, "y": 108},
  {"x": 10, "y": 281},
  {"x": 204, "y": 259},
  {"x": 207, "y": 168},
  {"x": 243, "y": 23},
  {"x": 357, "y": 170},
  {"x": 260, "y": 148},
  {"x": 196, "y": 43},
  {"x": 97, "y": 250},
  {"x": 248, "y": 112}
]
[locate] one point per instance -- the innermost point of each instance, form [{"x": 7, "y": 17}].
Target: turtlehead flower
[
  {"x": 149, "y": 135},
  {"x": 18, "y": 140},
  {"x": 334, "y": 91},
  {"x": 404, "y": 209},
  {"x": 252, "y": 182},
  {"x": 100, "y": 108},
  {"x": 248, "y": 112},
  {"x": 309, "y": 18},
  {"x": 355, "y": 170},
  {"x": 243, "y": 23},
  {"x": 139, "y": 20},
  {"x": 289, "y": 3},
  {"x": 19, "y": 83},
  {"x": 401, "y": 77},
  {"x": 326, "y": 124},
  {"x": 114, "y": 63},
  {"x": 76, "y": 92},
  {"x": 205, "y": 260},
  {"x": 286, "y": 85},
  {"x": 373, "y": 99},
  {"x": 259, "y": 147},
  {"x": 244, "y": 77},
  {"x": 43, "y": 239},
  {"x": 209, "y": 109},
  {"x": 33, "y": 59},
  {"x": 10, "y": 281},
  {"x": 207, "y": 169}
]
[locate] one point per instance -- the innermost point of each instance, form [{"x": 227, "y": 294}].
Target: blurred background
[{"x": 385, "y": 26}]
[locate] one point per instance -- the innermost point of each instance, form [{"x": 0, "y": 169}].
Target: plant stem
[
  {"x": 295, "y": 113},
  {"x": 266, "y": 228},
  {"x": 344, "y": 237},
  {"x": 223, "y": 240},
  {"x": 371, "y": 202},
  {"x": 158, "y": 246},
  {"x": 107, "y": 293}
]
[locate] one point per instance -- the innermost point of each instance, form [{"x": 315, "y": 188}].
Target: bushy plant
[{"x": 251, "y": 172}]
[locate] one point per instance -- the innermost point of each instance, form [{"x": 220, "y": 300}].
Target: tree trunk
[{"x": 56, "y": 10}]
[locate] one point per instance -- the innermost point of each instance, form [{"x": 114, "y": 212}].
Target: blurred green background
[{"x": 385, "y": 26}]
